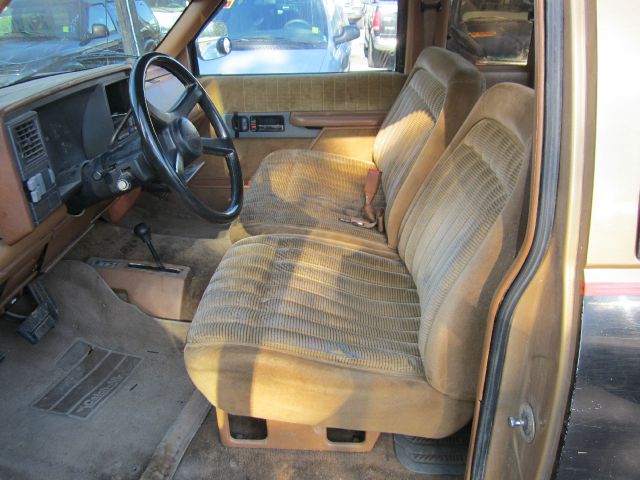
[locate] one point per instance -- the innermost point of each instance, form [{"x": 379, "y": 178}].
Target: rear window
[{"x": 492, "y": 32}]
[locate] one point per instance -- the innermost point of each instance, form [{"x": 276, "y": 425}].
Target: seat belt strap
[
  {"x": 372, "y": 217},
  {"x": 371, "y": 185},
  {"x": 375, "y": 216}
]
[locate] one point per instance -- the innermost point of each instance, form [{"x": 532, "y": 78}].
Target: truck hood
[{"x": 25, "y": 51}]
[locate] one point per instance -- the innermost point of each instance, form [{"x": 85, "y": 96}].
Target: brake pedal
[{"x": 43, "y": 318}]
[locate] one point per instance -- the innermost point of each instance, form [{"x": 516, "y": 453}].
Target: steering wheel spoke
[
  {"x": 160, "y": 118},
  {"x": 218, "y": 146},
  {"x": 187, "y": 101},
  {"x": 179, "y": 164}
]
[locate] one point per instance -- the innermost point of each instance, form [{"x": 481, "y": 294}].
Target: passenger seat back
[
  {"x": 440, "y": 92},
  {"x": 460, "y": 234}
]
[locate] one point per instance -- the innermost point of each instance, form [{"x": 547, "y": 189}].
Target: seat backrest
[
  {"x": 440, "y": 92},
  {"x": 460, "y": 234}
]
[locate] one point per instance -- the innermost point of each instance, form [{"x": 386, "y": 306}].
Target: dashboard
[
  {"x": 62, "y": 136},
  {"x": 67, "y": 149}
]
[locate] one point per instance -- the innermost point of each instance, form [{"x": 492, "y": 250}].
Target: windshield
[
  {"x": 43, "y": 37},
  {"x": 285, "y": 23}
]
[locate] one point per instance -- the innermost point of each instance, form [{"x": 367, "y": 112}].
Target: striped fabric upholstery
[
  {"x": 407, "y": 128},
  {"x": 446, "y": 226},
  {"x": 320, "y": 301},
  {"x": 296, "y": 191},
  {"x": 310, "y": 189},
  {"x": 316, "y": 332}
]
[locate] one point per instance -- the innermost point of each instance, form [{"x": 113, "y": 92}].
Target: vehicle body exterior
[
  {"x": 293, "y": 36},
  {"x": 380, "y": 24},
  {"x": 34, "y": 41}
]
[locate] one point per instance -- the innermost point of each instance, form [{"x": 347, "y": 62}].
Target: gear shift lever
[{"x": 143, "y": 232}]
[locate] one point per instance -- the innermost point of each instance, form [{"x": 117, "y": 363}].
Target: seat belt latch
[{"x": 372, "y": 217}]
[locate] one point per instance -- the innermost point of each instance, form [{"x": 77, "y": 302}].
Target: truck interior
[{"x": 279, "y": 276}]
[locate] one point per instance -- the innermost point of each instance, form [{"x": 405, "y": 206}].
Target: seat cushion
[
  {"x": 304, "y": 191},
  {"x": 312, "y": 332}
]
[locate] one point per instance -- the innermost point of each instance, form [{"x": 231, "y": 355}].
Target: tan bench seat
[{"x": 308, "y": 331}]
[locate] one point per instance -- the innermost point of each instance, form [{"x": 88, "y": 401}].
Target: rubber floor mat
[
  {"x": 428, "y": 456},
  {"x": 93, "y": 374}
]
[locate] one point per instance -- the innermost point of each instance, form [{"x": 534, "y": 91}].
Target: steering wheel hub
[{"x": 187, "y": 139}]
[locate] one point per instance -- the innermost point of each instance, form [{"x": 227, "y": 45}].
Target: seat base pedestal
[{"x": 291, "y": 436}]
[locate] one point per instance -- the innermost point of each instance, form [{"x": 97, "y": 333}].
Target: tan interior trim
[
  {"x": 322, "y": 92},
  {"x": 337, "y": 119},
  {"x": 121, "y": 205},
  {"x": 159, "y": 294},
  {"x": 186, "y": 27},
  {"x": 291, "y": 436},
  {"x": 531, "y": 222},
  {"x": 442, "y": 25},
  {"x": 14, "y": 211},
  {"x": 425, "y": 29}
]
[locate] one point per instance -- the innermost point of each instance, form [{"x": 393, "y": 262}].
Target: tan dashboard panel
[
  {"x": 343, "y": 92},
  {"x": 18, "y": 262},
  {"x": 15, "y": 217}
]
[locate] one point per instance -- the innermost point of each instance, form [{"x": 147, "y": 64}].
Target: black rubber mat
[
  {"x": 445, "y": 456},
  {"x": 93, "y": 374}
]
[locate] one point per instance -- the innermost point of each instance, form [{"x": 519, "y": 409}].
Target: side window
[
  {"x": 299, "y": 36},
  {"x": 491, "y": 32}
]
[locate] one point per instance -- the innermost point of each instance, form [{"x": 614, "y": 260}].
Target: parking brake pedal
[{"x": 43, "y": 318}]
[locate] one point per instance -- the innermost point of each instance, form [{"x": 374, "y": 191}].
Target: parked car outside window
[
  {"x": 40, "y": 37},
  {"x": 380, "y": 23},
  {"x": 281, "y": 36}
]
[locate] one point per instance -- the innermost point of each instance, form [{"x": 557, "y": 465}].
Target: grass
[{"x": 5, "y": 24}]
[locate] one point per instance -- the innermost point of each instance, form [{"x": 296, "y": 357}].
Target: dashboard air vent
[{"x": 28, "y": 140}]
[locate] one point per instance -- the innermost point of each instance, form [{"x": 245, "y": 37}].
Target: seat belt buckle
[{"x": 358, "y": 222}]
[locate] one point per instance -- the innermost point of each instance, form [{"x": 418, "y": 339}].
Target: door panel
[
  {"x": 349, "y": 95},
  {"x": 343, "y": 92}
]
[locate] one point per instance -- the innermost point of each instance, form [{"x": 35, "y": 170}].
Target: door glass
[
  {"x": 492, "y": 32},
  {"x": 299, "y": 36}
]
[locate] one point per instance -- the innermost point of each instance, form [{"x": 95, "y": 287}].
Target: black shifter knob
[{"x": 143, "y": 232}]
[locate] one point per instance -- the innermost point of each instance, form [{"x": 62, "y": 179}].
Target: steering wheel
[
  {"x": 171, "y": 142},
  {"x": 297, "y": 23}
]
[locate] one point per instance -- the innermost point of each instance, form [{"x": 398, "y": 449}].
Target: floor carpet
[
  {"x": 107, "y": 423},
  {"x": 201, "y": 254}
]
